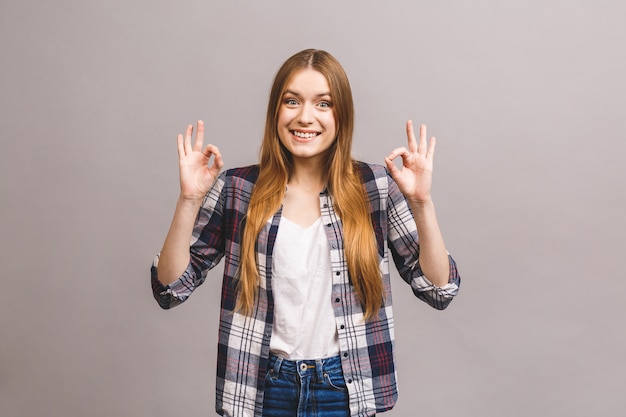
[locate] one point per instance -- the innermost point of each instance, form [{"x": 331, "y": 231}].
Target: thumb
[{"x": 391, "y": 167}]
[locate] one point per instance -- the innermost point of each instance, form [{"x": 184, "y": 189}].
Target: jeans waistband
[{"x": 304, "y": 367}]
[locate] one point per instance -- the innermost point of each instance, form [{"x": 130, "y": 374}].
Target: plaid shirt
[{"x": 366, "y": 348}]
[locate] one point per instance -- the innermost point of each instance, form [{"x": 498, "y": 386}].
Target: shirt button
[
  {"x": 350, "y": 381},
  {"x": 337, "y": 299},
  {"x": 342, "y": 327},
  {"x": 325, "y": 205},
  {"x": 337, "y": 273},
  {"x": 329, "y": 225},
  {"x": 345, "y": 355}
]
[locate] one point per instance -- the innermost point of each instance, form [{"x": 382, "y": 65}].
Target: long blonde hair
[{"x": 343, "y": 183}]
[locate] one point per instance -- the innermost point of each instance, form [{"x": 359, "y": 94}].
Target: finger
[
  {"x": 181, "y": 146},
  {"x": 188, "y": 134},
  {"x": 401, "y": 151},
  {"x": 217, "y": 156},
  {"x": 216, "y": 166},
  {"x": 431, "y": 149},
  {"x": 410, "y": 135},
  {"x": 391, "y": 167},
  {"x": 423, "y": 143},
  {"x": 197, "y": 146},
  {"x": 218, "y": 163}
]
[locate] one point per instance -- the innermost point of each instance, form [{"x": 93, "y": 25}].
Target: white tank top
[{"x": 304, "y": 322}]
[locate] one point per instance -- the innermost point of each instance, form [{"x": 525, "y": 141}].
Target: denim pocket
[
  {"x": 270, "y": 376},
  {"x": 335, "y": 380}
]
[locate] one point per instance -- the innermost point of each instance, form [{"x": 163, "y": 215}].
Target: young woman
[{"x": 306, "y": 323}]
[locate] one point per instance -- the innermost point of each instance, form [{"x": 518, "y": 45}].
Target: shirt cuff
[
  {"x": 174, "y": 293},
  {"x": 422, "y": 284}
]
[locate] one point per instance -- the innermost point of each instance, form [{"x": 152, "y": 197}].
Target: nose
[{"x": 306, "y": 115}]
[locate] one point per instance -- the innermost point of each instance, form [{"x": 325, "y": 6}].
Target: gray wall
[{"x": 526, "y": 99}]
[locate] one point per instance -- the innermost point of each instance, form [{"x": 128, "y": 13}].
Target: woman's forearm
[
  {"x": 433, "y": 256},
  {"x": 174, "y": 256}
]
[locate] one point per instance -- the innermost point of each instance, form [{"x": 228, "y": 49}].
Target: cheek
[
  {"x": 281, "y": 135},
  {"x": 280, "y": 120},
  {"x": 283, "y": 113},
  {"x": 331, "y": 123}
]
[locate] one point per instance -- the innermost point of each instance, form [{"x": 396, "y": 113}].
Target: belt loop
[
  {"x": 319, "y": 370},
  {"x": 277, "y": 365}
]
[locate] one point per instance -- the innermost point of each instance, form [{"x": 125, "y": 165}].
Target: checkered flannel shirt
[{"x": 366, "y": 348}]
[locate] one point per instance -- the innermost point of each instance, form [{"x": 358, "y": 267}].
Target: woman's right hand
[{"x": 197, "y": 172}]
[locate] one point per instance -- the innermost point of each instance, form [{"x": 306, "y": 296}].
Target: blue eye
[
  {"x": 324, "y": 104},
  {"x": 291, "y": 102}
]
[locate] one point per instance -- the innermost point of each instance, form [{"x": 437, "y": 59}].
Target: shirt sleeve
[
  {"x": 205, "y": 251},
  {"x": 403, "y": 242}
]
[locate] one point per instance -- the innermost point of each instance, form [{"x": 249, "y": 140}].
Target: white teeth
[{"x": 304, "y": 135}]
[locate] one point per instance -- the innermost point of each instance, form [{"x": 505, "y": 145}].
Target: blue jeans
[{"x": 307, "y": 388}]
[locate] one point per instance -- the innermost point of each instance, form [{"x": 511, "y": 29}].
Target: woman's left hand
[{"x": 415, "y": 178}]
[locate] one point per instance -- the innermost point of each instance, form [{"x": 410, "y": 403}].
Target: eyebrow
[{"x": 298, "y": 95}]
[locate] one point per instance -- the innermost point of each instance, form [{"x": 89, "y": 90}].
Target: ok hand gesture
[
  {"x": 415, "y": 178},
  {"x": 197, "y": 175}
]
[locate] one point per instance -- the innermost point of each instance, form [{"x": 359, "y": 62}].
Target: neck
[{"x": 307, "y": 174}]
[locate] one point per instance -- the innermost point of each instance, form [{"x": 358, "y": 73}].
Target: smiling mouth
[{"x": 304, "y": 135}]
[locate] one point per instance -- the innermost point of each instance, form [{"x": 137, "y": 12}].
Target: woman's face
[{"x": 306, "y": 120}]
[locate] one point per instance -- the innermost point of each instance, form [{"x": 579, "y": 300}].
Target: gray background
[{"x": 526, "y": 99}]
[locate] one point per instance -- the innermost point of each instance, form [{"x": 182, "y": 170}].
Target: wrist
[
  {"x": 420, "y": 202},
  {"x": 189, "y": 202}
]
